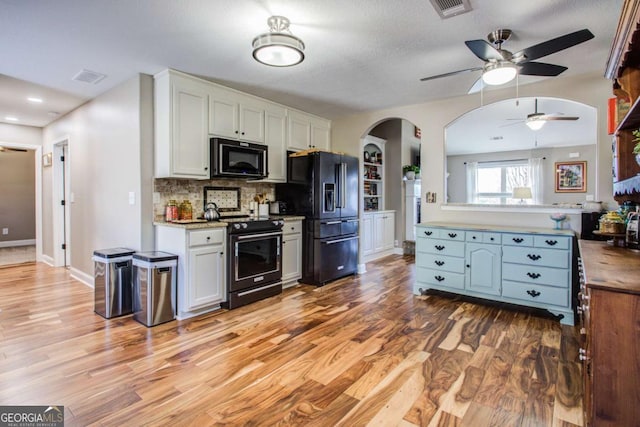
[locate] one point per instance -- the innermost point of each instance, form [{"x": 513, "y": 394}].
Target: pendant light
[{"x": 278, "y": 48}]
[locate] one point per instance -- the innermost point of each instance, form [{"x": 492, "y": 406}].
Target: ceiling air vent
[
  {"x": 88, "y": 76},
  {"x": 450, "y": 8}
]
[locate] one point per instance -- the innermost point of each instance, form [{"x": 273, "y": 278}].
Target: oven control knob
[
  {"x": 236, "y": 226},
  {"x": 243, "y": 225}
]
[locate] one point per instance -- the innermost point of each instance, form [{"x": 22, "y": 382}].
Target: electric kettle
[
  {"x": 211, "y": 212},
  {"x": 633, "y": 231}
]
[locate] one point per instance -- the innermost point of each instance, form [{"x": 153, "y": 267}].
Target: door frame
[
  {"x": 38, "y": 167},
  {"x": 61, "y": 214}
]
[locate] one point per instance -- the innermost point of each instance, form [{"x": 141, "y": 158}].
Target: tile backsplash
[{"x": 193, "y": 190}]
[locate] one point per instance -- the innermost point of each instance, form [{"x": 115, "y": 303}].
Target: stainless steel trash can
[
  {"x": 113, "y": 290},
  {"x": 154, "y": 282}
]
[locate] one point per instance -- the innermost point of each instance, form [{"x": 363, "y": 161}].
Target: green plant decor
[
  {"x": 411, "y": 168},
  {"x": 636, "y": 139}
]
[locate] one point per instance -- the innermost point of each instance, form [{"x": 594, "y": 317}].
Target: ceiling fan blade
[
  {"x": 548, "y": 118},
  {"x": 554, "y": 45},
  {"x": 453, "y": 73},
  {"x": 514, "y": 123},
  {"x": 484, "y": 50},
  {"x": 541, "y": 69},
  {"x": 477, "y": 86}
]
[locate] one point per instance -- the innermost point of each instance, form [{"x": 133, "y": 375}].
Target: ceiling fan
[
  {"x": 502, "y": 66},
  {"x": 3, "y": 149},
  {"x": 536, "y": 120}
]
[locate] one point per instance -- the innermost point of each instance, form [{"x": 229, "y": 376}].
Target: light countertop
[
  {"x": 197, "y": 225},
  {"x": 496, "y": 228}
]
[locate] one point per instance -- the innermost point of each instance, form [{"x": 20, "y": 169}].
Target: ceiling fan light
[
  {"x": 535, "y": 124},
  {"x": 499, "y": 73},
  {"x": 278, "y": 49}
]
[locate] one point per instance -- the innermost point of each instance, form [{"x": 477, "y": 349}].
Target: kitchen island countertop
[{"x": 218, "y": 224}]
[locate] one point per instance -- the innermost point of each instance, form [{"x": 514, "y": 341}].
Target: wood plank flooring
[{"x": 359, "y": 351}]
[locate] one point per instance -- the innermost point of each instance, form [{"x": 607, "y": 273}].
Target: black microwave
[{"x": 237, "y": 159}]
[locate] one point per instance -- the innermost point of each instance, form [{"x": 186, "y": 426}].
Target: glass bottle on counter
[
  {"x": 171, "y": 211},
  {"x": 186, "y": 210}
]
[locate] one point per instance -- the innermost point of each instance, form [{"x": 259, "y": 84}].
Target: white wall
[
  {"x": 17, "y": 134},
  {"x": 110, "y": 152},
  {"x": 433, "y": 117}
]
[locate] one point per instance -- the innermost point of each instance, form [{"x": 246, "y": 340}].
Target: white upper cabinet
[
  {"x": 275, "y": 130},
  {"x": 236, "y": 116},
  {"x": 181, "y": 124},
  {"x": 307, "y": 131}
]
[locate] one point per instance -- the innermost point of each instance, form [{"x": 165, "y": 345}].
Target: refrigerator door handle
[
  {"x": 343, "y": 185},
  {"x": 331, "y": 242}
]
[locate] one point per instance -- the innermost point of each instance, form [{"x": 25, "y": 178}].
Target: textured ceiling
[{"x": 360, "y": 54}]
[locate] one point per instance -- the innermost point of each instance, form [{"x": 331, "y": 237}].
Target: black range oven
[{"x": 255, "y": 260}]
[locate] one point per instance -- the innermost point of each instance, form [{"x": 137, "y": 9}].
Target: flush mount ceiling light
[
  {"x": 535, "y": 121},
  {"x": 499, "y": 73},
  {"x": 278, "y": 48}
]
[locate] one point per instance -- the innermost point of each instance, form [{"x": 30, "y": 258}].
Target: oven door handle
[
  {"x": 261, "y": 288},
  {"x": 331, "y": 242},
  {"x": 254, "y": 236}
]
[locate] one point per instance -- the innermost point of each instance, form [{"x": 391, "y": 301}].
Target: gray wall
[
  {"x": 456, "y": 183},
  {"x": 18, "y": 193},
  {"x": 110, "y": 153}
]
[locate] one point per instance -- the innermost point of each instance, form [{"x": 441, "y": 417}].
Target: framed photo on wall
[{"x": 571, "y": 177}]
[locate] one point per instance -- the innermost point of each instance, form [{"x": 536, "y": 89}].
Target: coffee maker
[{"x": 633, "y": 236}]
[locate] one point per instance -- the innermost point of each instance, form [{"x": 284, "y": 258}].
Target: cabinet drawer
[
  {"x": 535, "y": 293},
  {"x": 457, "y": 235},
  {"x": 292, "y": 227},
  {"x": 537, "y": 256},
  {"x": 441, "y": 263},
  {"x": 440, "y": 247},
  {"x": 206, "y": 237},
  {"x": 517, "y": 239},
  {"x": 481, "y": 237},
  {"x": 432, "y": 233},
  {"x": 440, "y": 278},
  {"x": 554, "y": 242},
  {"x": 539, "y": 275}
]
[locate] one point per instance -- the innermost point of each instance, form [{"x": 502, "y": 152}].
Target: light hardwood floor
[{"x": 362, "y": 350}]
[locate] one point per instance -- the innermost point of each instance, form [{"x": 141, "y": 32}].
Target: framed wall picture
[
  {"x": 46, "y": 160},
  {"x": 571, "y": 177}
]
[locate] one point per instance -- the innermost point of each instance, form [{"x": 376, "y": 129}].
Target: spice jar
[
  {"x": 171, "y": 211},
  {"x": 186, "y": 210}
]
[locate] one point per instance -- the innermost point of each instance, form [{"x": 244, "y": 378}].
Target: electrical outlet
[
  {"x": 156, "y": 197},
  {"x": 132, "y": 198},
  {"x": 5, "y": 231}
]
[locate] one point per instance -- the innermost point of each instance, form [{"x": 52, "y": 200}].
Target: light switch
[
  {"x": 5, "y": 231},
  {"x": 132, "y": 197}
]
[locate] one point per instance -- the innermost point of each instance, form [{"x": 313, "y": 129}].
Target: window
[{"x": 493, "y": 182}]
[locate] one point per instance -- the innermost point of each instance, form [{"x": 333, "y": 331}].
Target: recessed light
[
  {"x": 36, "y": 100},
  {"x": 11, "y": 119}
]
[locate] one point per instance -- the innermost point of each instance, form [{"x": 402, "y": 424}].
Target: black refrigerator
[{"x": 323, "y": 187}]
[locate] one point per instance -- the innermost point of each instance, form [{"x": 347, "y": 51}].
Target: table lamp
[{"x": 522, "y": 193}]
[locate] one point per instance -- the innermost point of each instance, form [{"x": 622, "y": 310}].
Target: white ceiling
[
  {"x": 492, "y": 129},
  {"x": 360, "y": 54}
]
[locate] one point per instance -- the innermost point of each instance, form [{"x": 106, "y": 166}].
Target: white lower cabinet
[
  {"x": 291, "y": 252},
  {"x": 531, "y": 267},
  {"x": 201, "y": 266},
  {"x": 378, "y": 234}
]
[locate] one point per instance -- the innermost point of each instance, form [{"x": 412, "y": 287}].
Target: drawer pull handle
[
  {"x": 428, "y": 233},
  {"x": 533, "y": 293},
  {"x": 492, "y": 239},
  {"x": 439, "y": 278},
  {"x": 518, "y": 239},
  {"x": 453, "y": 235},
  {"x": 474, "y": 237},
  {"x": 551, "y": 242},
  {"x": 533, "y": 257},
  {"x": 439, "y": 247},
  {"x": 533, "y": 275},
  {"x": 439, "y": 263}
]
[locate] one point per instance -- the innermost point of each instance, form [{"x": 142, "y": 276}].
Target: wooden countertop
[
  {"x": 610, "y": 267},
  {"x": 497, "y": 228}
]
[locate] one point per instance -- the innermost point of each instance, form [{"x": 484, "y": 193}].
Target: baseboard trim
[
  {"x": 398, "y": 251},
  {"x": 13, "y": 243},
  {"x": 47, "y": 260},
  {"x": 362, "y": 268},
  {"x": 81, "y": 276}
]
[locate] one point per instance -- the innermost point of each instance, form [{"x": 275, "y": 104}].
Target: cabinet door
[
  {"x": 320, "y": 134},
  {"x": 251, "y": 121},
  {"x": 206, "y": 276},
  {"x": 223, "y": 114},
  {"x": 483, "y": 268},
  {"x": 190, "y": 140},
  {"x": 366, "y": 234},
  {"x": 275, "y": 125},
  {"x": 291, "y": 257},
  {"x": 299, "y": 131},
  {"x": 389, "y": 230}
]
